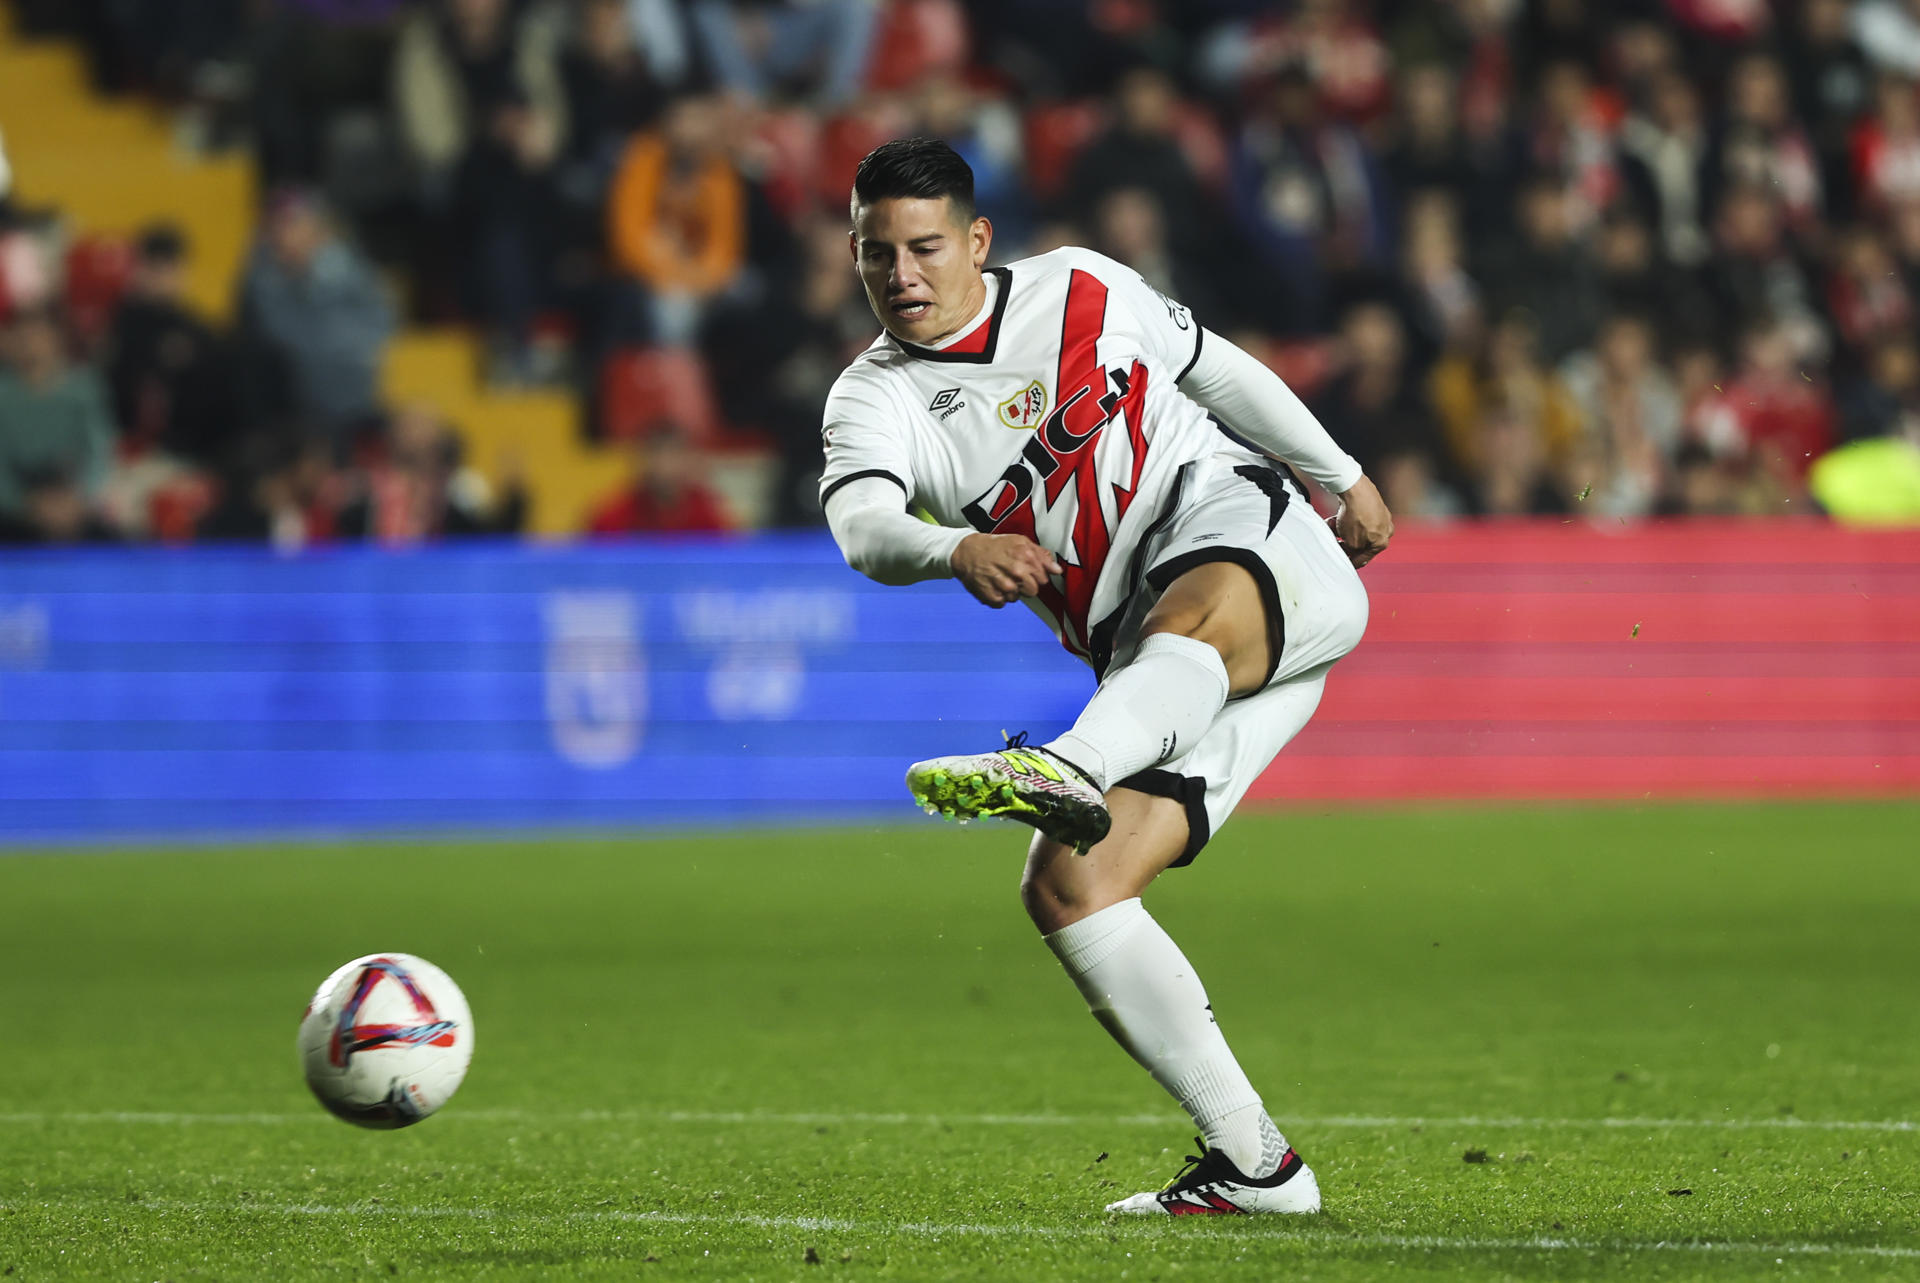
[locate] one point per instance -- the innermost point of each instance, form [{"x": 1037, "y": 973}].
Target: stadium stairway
[{"x": 112, "y": 166}]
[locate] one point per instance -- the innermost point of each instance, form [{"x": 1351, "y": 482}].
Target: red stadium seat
[
  {"x": 645, "y": 389},
  {"x": 98, "y": 269},
  {"x": 1055, "y": 135},
  {"x": 1305, "y": 364},
  {"x": 788, "y": 145},
  {"x": 848, "y": 138},
  {"x": 917, "y": 38}
]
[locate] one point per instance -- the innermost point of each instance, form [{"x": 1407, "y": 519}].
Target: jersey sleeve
[
  {"x": 864, "y": 435},
  {"x": 1166, "y": 328}
]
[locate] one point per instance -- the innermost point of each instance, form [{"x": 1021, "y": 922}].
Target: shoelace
[
  {"x": 1018, "y": 740},
  {"x": 1192, "y": 1161}
]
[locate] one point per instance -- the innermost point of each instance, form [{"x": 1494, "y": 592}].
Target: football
[{"x": 386, "y": 1040}]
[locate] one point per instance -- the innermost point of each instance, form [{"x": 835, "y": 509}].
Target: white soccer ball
[{"x": 386, "y": 1040}]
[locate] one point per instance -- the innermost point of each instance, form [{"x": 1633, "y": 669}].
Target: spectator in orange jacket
[{"x": 677, "y": 219}]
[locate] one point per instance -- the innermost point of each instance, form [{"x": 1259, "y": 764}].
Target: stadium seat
[
  {"x": 1055, "y": 135},
  {"x": 1305, "y": 364},
  {"x": 917, "y": 38},
  {"x": 644, "y": 389},
  {"x": 98, "y": 268},
  {"x": 846, "y": 139},
  {"x": 788, "y": 142}
]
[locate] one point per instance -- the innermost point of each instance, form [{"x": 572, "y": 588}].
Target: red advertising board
[{"x": 1566, "y": 660}]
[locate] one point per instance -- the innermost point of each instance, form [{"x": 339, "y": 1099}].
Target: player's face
[{"x": 921, "y": 265}]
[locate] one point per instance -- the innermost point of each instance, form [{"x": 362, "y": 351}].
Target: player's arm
[
  {"x": 1258, "y": 405},
  {"x": 882, "y": 541}
]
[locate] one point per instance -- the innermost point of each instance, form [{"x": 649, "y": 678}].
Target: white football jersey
[{"x": 1058, "y": 417}]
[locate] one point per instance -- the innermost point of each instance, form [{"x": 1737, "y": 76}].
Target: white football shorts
[{"x": 1239, "y": 507}]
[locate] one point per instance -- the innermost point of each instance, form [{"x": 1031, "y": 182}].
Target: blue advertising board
[{"x": 237, "y": 690}]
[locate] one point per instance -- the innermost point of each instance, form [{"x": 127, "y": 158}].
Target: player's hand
[
  {"x": 1363, "y": 523},
  {"x": 999, "y": 569}
]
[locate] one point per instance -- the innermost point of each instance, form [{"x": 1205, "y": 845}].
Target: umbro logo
[{"x": 946, "y": 403}]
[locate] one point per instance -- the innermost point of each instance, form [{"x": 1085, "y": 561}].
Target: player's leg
[
  {"x": 1140, "y": 985},
  {"x": 1206, "y": 640}
]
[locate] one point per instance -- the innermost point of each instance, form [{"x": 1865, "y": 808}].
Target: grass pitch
[{"x": 1554, "y": 1043}]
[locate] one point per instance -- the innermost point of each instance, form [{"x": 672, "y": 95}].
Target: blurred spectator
[
  {"x": 1885, "y": 399},
  {"x": 1141, "y": 149},
  {"x": 1338, "y": 49},
  {"x": 1374, "y": 406},
  {"x": 1514, "y": 478},
  {"x": 668, "y": 493},
  {"x": 56, "y": 436},
  {"x": 812, "y": 333},
  {"x": 1310, "y": 198},
  {"x": 1832, "y": 83},
  {"x": 1446, "y": 304},
  {"x": 172, "y": 382},
  {"x": 1573, "y": 138},
  {"x": 1548, "y": 272},
  {"x": 1410, "y": 483},
  {"x": 1505, "y": 388},
  {"x": 1430, "y": 150},
  {"x": 281, "y": 489},
  {"x": 659, "y": 28},
  {"x": 1128, "y": 225},
  {"x": 483, "y": 111},
  {"x": 986, "y": 133},
  {"x": 1886, "y": 148},
  {"x": 815, "y": 49},
  {"x": 612, "y": 93},
  {"x": 1889, "y": 32},
  {"x": 1783, "y": 416},
  {"x": 1762, "y": 145},
  {"x": 423, "y": 490},
  {"x": 1666, "y": 148},
  {"x": 1756, "y": 273},
  {"x": 313, "y": 306},
  {"x": 1866, "y": 296},
  {"x": 1631, "y": 418},
  {"x": 677, "y": 219}
]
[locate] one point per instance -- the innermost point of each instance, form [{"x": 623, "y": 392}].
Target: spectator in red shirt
[
  {"x": 1784, "y": 417},
  {"x": 667, "y": 493}
]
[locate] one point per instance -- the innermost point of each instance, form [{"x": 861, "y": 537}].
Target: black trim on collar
[
  {"x": 985, "y": 356},
  {"x": 1199, "y": 333},
  {"x": 834, "y": 485}
]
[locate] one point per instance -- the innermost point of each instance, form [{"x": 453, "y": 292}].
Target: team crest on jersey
[{"x": 1025, "y": 408}]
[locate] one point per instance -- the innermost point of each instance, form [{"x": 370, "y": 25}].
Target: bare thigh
[{"x": 1059, "y": 888}]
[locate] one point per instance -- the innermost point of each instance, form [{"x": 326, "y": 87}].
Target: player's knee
[{"x": 1056, "y": 895}]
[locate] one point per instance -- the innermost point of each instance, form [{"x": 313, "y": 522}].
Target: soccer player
[{"x": 1061, "y": 422}]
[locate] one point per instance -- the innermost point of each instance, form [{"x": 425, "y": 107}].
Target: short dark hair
[{"x": 915, "y": 169}]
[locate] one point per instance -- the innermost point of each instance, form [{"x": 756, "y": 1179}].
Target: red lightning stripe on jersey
[{"x": 1087, "y": 407}]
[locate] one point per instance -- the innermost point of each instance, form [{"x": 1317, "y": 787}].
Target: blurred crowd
[{"x": 1604, "y": 258}]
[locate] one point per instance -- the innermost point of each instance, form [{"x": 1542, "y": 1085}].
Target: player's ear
[
  {"x": 853, "y": 246},
  {"x": 981, "y": 234}
]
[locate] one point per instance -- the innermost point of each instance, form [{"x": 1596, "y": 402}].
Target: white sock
[
  {"x": 1152, "y": 710},
  {"x": 1143, "y": 989}
]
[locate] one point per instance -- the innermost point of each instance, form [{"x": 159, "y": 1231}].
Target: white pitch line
[
  {"x": 1290, "y": 1231},
  {"x": 856, "y": 1119}
]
